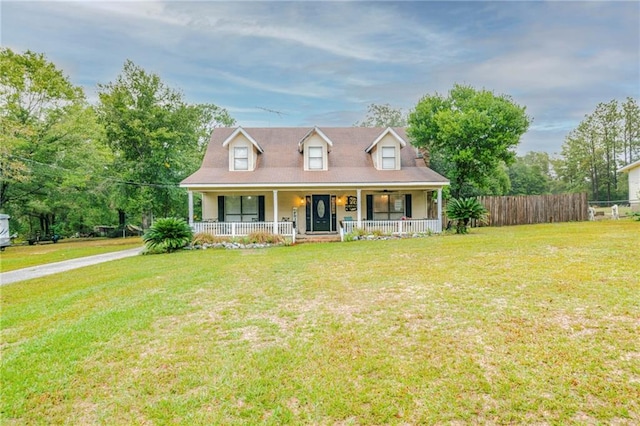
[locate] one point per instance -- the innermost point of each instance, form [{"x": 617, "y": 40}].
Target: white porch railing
[
  {"x": 393, "y": 227},
  {"x": 242, "y": 229}
]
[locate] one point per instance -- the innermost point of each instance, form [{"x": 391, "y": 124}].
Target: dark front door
[{"x": 321, "y": 212}]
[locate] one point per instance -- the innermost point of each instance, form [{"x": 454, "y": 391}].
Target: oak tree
[
  {"x": 472, "y": 131},
  {"x": 52, "y": 151},
  {"x": 158, "y": 140}
]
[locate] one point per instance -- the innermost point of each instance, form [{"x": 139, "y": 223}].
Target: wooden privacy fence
[{"x": 529, "y": 209}]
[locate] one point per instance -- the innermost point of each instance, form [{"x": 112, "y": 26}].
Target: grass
[
  {"x": 520, "y": 325},
  {"x": 18, "y": 257}
]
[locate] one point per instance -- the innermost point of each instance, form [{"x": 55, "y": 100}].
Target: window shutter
[
  {"x": 407, "y": 206},
  {"x": 369, "y": 207},
  {"x": 260, "y": 208},
  {"x": 220, "y": 208}
]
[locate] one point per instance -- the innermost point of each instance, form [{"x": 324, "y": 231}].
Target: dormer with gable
[
  {"x": 243, "y": 151},
  {"x": 315, "y": 146},
  {"x": 385, "y": 150}
]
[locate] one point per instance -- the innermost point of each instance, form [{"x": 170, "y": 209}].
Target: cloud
[{"x": 324, "y": 62}]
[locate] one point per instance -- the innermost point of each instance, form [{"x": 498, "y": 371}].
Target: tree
[
  {"x": 383, "y": 116},
  {"x": 52, "y": 150},
  {"x": 158, "y": 140},
  {"x": 630, "y": 131},
  {"x": 474, "y": 131},
  {"x": 593, "y": 152},
  {"x": 531, "y": 174}
]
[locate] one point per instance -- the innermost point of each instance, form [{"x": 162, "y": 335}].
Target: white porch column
[
  {"x": 359, "y": 197},
  {"x": 275, "y": 211},
  {"x": 440, "y": 209},
  {"x": 190, "y": 196}
]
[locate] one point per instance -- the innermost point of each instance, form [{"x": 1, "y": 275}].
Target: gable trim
[
  {"x": 628, "y": 167},
  {"x": 311, "y": 132},
  {"x": 238, "y": 131},
  {"x": 402, "y": 142}
]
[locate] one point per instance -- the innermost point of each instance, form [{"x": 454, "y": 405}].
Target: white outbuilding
[{"x": 633, "y": 170}]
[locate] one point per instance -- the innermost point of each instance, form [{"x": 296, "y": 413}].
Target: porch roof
[{"x": 281, "y": 164}]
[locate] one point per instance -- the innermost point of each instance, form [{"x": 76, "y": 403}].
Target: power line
[{"x": 120, "y": 181}]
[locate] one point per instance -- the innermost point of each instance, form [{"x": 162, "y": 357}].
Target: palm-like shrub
[
  {"x": 463, "y": 210},
  {"x": 168, "y": 234}
]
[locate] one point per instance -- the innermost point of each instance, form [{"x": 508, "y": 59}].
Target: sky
[{"x": 280, "y": 64}]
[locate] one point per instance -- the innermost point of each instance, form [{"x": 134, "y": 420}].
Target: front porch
[
  {"x": 392, "y": 227},
  {"x": 288, "y": 229},
  {"x": 242, "y": 229}
]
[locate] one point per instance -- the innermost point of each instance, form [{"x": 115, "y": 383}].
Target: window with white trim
[
  {"x": 241, "y": 158},
  {"x": 315, "y": 158},
  {"x": 388, "y": 206},
  {"x": 388, "y": 157}
]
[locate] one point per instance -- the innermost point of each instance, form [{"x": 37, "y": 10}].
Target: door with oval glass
[{"x": 321, "y": 208}]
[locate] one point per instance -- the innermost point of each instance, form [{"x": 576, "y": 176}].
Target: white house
[
  {"x": 301, "y": 181},
  {"x": 633, "y": 170}
]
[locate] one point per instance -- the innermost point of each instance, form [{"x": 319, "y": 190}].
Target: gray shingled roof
[{"x": 282, "y": 163}]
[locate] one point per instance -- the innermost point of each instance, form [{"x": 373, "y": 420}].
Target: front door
[{"x": 321, "y": 213}]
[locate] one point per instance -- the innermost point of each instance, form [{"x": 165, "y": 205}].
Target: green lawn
[
  {"x": 18, "y": 257},
  {"x": 519, "y": 325}
]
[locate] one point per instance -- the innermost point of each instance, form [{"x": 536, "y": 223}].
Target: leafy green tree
[
  {"x": 473, "y": 131},
  {"x": 52, "y": 150},
  {"x": 593, "y": 152},
  {"x": 630, "y": 131},
  {"x": 168, "y": 234},
  {"x": 463, "y": 210},
  {"x": 531, "y": 174},
  {"x": 158, "y": 140},
  {"x": 383, "y": 116}
]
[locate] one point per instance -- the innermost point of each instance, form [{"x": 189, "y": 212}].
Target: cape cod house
[{"x": 300, "y": 181}]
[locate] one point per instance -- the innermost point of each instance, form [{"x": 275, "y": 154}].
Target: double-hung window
[
  {"x": 388, "y": 157},
  {"x": 315, "y": 158},
  {"x": 241, "y": 208},
  {"x": 241, "y": 158},
  {"x": 388, "y": 206}
]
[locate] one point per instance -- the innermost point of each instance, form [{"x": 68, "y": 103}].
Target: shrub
[
  {"x": 167, "y": 235},
  {"x": 463, "y": 210},
  {"x": 205, "y": 238},
  {"x": 261, "y": 237}
]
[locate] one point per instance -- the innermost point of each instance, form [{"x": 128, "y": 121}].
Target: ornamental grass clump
[
  {"x": 261, "y": 237},
  {"x": 167, "y": 235},
  {"x": 463, "y": 210},
  {"x": 205, "y": 238}
]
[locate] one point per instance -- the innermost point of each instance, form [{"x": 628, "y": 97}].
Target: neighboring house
[
  {"x": 297, "y": 181},
  {"x": 633, "y": 170}
]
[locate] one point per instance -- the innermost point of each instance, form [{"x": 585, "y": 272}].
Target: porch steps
[{"x": 317, "y": 238}]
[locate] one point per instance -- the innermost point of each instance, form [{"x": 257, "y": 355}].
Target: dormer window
[
  {"x": 315, "y": 158},
  {"x": 385, "y": 150},
  {"x": 243, "y": 151},
  {"x": 315, "y": 146},
  {"x": 388, "y": 157},
  {"x": 241, "y": 158}
]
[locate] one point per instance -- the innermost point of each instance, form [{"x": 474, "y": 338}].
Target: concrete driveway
[{"x": 67, "y": 265}]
